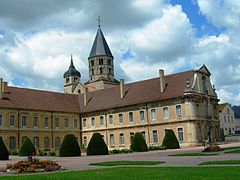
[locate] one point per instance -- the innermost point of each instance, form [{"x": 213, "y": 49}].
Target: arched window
[
  {"x": 36, "y": 142},
  {"x": 12, "y": 142},
  {"x": 67, "y": 80},
  {"x": 12, "y": 120},
  {"x": 46, "y": 143},
  {"x": 101, "y": 70},
  {"x": 180, "y": 135}
]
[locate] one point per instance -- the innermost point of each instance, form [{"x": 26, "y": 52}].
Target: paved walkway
[{"x": 82, "y": 162}]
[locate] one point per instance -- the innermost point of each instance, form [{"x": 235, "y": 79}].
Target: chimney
[
  {"x": 121, "y": 88},
  {"x": 4, "y": 88},
  {"x": 1, "y": 87},
  {"x": 85, "y": 96},
  {"x": 162, "y": 80}
]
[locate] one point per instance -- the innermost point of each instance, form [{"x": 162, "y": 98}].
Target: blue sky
[{"x": 38, "y": 37}]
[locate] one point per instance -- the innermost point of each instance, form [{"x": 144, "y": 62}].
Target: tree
[
  {"x": 69, "y": 147},
  {"x": 138, "y": 143},
  {"x": 3, "y": 151},
  {"x": 170, "y": 140},
  {"x": 97, "y": 146},
  {"x": 27, "y": 148}
]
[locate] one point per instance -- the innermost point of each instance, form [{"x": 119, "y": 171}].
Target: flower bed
[{"x": 33, "y": 166}]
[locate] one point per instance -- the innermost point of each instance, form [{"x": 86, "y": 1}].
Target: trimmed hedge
[
  {"x": 97, "y": 145},
  {"x": 138, "y": 143},
  {"x": 69, "y": 147},
  {"x": 3, "y": 151},
  {"x": 27, "y": 148},
  {"x": 170, "y": 140}
]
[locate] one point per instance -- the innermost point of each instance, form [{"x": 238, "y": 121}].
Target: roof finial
[
  {"x": 71, "y": 64},
  {"x": 99, "y": 21}
]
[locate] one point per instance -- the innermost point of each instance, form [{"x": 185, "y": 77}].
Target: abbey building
[{"x": 185, "y": 102}]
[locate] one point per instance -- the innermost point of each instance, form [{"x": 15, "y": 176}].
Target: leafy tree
[
  {"x": 138, "y": 143},
  {"x": 69, "y": 147},
  {"x": 170, "y": 140},
  {"x": 97, "y": 146},
  {"x": 27, "y": 148},
  {"x": 3, "y": 151}
]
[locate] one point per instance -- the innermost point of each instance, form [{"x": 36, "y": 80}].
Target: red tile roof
[{"x": 135, "y": 93}]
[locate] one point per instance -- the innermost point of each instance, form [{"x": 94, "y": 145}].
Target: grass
[
  {"x": 234, "y": 151},
  {"x": 221, "y": 162},
  {"x": 194, "y": 154},
  {"x": 131, "y": 173},
  {"x": 230, "y": 148},
  {"x": 120, "y": 163}
]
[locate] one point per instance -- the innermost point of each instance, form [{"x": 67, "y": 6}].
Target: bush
[
  {"x": 212, "y": 148},
  {"x": 51, "y": 153},
  {"x": 3, "y": 151},
  {"x": 138, "y": 143},
  {"x": 41, "y": 153},
  {"x": 97, "y": 146},
  {"x": 170, "y": 140},
  {"x": 13, "y": 152},
  {"x": 27, "y": 148},
  {"x": 69, "y": 147}
]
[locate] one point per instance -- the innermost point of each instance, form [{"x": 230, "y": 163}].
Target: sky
[{"x": 37, "y": 39}]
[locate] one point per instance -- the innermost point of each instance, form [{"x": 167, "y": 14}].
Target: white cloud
[{"x": 229, "y": 97}]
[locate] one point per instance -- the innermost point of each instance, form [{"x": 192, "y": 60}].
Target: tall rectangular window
[
  {"x": 75, "y": 123},
  {"x": 46, "y": 142},
  {"x": 57, "y": 123},
  {"x": 36, "y": 142},
  {"x": 66, "y": 123},
  {"x": 12, "y": 142},
  {"x": 120, "y": 118},
  {"x": 35, "y": 122},
  {"x": 165, "y": 113},
  {"x": 46, "y": 122},
  {"x": 130, "y": 117},
  {"x": 153, "y": 114},
  {"x": 131, "y": 136},
  {"x": 180, "y": 135},
  {"x": 24, "y": 121},
  {"x": 144, "y": 135},
  {"x": 92, "y": 121},
  {"x": 141, "y": 115},
  {"x": 121, "y": 139},
  {"x": 84, "y": 123},
  {"x": 101, "y": 121},
  {"x": 178, "y": 110},
  {"x": 112, "y": 140},
  {"x": 155, "y": 136},
  {"x": 85, "y": 141},
  {"x": 57, "y": 142},
  {"x": 110, "y": 119},
  {"x": 1, "y": 120},
  {"x": 12, "y": 121}
]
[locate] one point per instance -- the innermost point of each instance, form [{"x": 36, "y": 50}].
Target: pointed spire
[
  {"x": 100, "y": 46},
  {"x": 71, "y": 70}
]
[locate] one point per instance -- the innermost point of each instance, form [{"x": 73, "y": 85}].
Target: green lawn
[
  {"x": 230, "y": 148},
  {"x": 194, "y": 154},
  {"x": 221, "y": 162},
  {"x": 120, "y": 163},
  {"x": 234, "y": 151},
  {"x": 130, "y": 173}
]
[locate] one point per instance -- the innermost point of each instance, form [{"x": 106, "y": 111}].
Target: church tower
[
  {"x": 71, "y": 78},
  {"x": 101, "y": 67}
]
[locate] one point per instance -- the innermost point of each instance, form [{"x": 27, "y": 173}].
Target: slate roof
[
  {"x": 135, "y": 93},
  {"x": 71, "y": 71},
  {"x": 100, "y": 46}
]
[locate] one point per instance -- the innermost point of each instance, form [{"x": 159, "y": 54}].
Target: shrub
[
  {"x": 138, "y": 143},
  {"x": 51, "y": 153},
  {"x": 3, "y": 151},
  {"x": 212, "y": 148},
  {"x": 27, "y": 148},
  {"x": 97, "y": 146},
  {"x": 69, "y": 147},
  {"x": 170, "y": 140},
  {"x": 13, "y": 152},
  {"x": 41, "y": 153}
]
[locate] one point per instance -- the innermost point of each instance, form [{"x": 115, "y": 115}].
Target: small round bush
[
  {"x": 170, "y": 140},
  {"x": 27, "y": 148},
  {"x": 69, "y": 147},
  {"x": 138, "y": 143},
  {"x": 3, "y": 151},
  {"x": 97, "y": 145}
]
